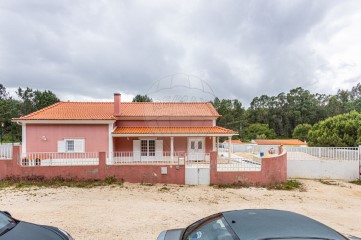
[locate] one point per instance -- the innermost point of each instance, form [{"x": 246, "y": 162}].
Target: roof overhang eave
[
  {"x": 63, "y": 121},
  {"x": 148, "y": 118},
  {"x": 173, "y": 134}
]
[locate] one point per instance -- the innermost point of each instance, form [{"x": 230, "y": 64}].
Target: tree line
[
  {"x": 290, "y": 115},
  {"x": 297, "y": 114},
  {"x": 26, "y": 101}
]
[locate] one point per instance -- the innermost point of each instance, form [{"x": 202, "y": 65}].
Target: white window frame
[
  {"x": 67, "y": 141},
  {"x": 147, "y": 155},
  {"x": 78, "y": 145},
  {"x": 147, "y": 147}
]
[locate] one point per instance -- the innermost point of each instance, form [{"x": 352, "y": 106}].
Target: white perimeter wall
[{"x": 331, "y": 169}]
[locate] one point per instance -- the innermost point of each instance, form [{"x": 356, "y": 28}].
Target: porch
[
  {"x": 174, "y": 145},
  {"x": 163, "y": 150}
]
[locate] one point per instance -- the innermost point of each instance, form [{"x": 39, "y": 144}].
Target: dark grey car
[
  {"x": 13, "y": 229},
  {"x": 251, "y": 224}
]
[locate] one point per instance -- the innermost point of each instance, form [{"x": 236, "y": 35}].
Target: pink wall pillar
[
  {"x": 273, "y": 171},
  {"x": 102, "y": 165}
]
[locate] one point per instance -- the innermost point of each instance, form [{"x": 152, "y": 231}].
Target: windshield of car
[
  {"x": 6, "y": 223},
  {"x": 215, "y": 229},
  {"x": 297, "y": 238}
]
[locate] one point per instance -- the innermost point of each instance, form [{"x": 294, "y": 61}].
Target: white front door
[
  {"x": 196, "y": 149},
  {"x": 147, "y": 150}
]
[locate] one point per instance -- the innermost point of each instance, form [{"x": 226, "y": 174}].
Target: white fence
[
  {"x": 323, "y": 162},
  {"x": 311, "y": 162},
  {"x": 239, "y": 165},
  {"x": 323, "y": 153},
  {"x": 325, "y": 169},
  {"x": 250, "y": 148},
  {"x": 59, "y": 159},
  {"x": 6, "y": 151},
  {"x": 198, "y": 160},
  {"x": 302, "y": 153},
  {"x": 136, "y": 157}
]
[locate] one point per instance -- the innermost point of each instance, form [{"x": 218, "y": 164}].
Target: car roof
[{"x": 266, "y": 223}]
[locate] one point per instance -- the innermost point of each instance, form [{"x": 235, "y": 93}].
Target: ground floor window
[
  {"x": 147, "y": 147},
  {"x": 69, "y": 145}
]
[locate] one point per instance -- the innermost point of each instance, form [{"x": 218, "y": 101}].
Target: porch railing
[
  {"x": 59, "y": 159},
  {"x": 252, "y": 148},
  {"x": 198, "y": 160},
  {"x": 137, "y": 157},
  {"x": 239, "y": 164},
  {"x": 6, "y": 151}
]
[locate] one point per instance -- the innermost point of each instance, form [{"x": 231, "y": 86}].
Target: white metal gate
[{"x": 197, "y": 174}]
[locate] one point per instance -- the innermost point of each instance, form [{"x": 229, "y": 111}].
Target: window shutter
[
  {"x": 79, "y": 145},
  {"x": 159, "y": 149},
  {"x": 61, "y": 146},
  {"x": 136, "y": 150}
]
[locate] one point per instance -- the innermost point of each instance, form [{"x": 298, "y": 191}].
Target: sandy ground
[{"x": 141, "y": 212}]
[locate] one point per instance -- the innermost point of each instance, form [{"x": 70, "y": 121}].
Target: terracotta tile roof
[
  {"x": 73, "y": 111},
  {"x": 174, "y": 130},
  {"x": 104, "y": 110},
  {"x": 278, "y": 142},
  {"x": 234, "y": 141},
  {"x": 155, "y": 109}
]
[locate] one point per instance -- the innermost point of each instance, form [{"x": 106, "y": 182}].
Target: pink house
[
  {"x": 128, "y": 132},
  {"x": 137, "y": 142}
]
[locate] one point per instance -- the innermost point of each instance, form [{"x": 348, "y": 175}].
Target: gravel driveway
[{"x": 140, "y": 212}]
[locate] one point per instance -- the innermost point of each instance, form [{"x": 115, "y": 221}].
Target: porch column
[
  {"x": 171, "y": 148},
  {"x": 214, "y": 144},
  {"x": 229, "y": 148},
  {"x": 23, "y": 138},
  {"x": 110, "y": 143}
]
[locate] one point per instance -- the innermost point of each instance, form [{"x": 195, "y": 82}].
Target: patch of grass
[
  {"x": 163, "y": 189},
  {"x": 112, "y": 180},
  {"x": 327, "y": 182},
  {"x": 358, "y": 182},
  {"x": 147, "y": 184},
  {"x": 233, "y": 185},
  {"x": 56, "y": 182},
  {"x": 5, "y": 184},
  {"x": 289, "y": 185}
]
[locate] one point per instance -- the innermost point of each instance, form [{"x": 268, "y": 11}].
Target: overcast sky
[{"x": 87, "y": 50}]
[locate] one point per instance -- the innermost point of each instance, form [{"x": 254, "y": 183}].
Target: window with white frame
[
  {"x": 71, "y": 145},
  {"x": 147, "y": 147}
]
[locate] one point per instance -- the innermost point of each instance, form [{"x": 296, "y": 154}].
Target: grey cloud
[{"x": 240, "y": 48}]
